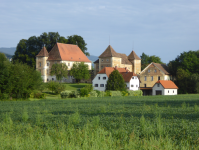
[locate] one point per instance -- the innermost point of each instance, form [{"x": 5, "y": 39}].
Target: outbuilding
[{"x": 164, "y": 87}]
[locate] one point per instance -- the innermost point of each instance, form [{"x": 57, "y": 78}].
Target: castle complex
[{"x": 110, "y": 58}]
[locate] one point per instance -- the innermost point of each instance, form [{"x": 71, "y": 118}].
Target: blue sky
[{"x": 164, "y": 28}]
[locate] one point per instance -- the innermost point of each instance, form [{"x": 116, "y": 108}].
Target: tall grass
[{"x": 104, "y": 123}]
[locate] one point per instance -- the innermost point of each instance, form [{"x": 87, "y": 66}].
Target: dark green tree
[
  {"x": 146, "y": 59},
  {"x": 78, "y": 40},
  {"x": 23, "y": 79},
  {"x": 115, "y": 82},
  {"x": 4, "y": 73},
  {"x": 59, "y": 70},
  {"x": 80, "y": 71},
  {"x": 27, "y": 50}
]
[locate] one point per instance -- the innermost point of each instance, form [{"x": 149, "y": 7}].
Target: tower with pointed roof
[
  {"x": 41, "y": 59},
  {"x": 110, "y": 58},
  {"x": 136, "y": 62}
]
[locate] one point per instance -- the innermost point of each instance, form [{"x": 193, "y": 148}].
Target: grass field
[{"x": 150, "y": 122}]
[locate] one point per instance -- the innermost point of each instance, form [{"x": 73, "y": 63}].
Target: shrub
[
  {"x": 59, "y": 88},
  {"x": 135, "y": 93},
  {"x": 101, "y": 94},
  {"x": 98, "y": 92},
  {"x": 93, "y": 94},
  {"x": 107, "y": 93},
  {"x": 4, "y": 96},
  {"x": 65, "y": 94},
  {"x": 89, "y": 87},
  {"x": 74, "y": 94},
  {"x": 84, "y": 92},
  {"x": 38, "y": 94},
  {"x": 115, "y": 93},
  {"x": 125, "y": 93}
]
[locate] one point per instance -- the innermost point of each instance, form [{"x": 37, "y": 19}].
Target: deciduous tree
[
  {"x": 80, "y": 71},
  {"x": 59, "y": 70}
]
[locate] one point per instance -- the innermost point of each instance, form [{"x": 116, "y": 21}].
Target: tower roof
[
  {"x": 133, "y": 55},
  {"x": 43, "y": 52},
  {"x": 109, "y": 52}
]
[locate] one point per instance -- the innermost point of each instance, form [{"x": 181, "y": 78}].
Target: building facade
[{"x": 60, "y": 53}]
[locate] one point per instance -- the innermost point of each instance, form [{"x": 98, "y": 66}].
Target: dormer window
[{"x": 158, "y": 85}]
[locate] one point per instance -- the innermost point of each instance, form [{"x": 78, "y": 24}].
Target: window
[
  {"x": 144, "y": 85},
  {"x": 168, "y": 91},
  {"x": 55, "y": 62},
  {"x": 98, "y": 78},
  {"x": 132, "y": 77},
  {"x": 68, "y": 64},
  {"x": 52, "y": 79},
  {"x": 173, "y": 91},
  {"x": 158, "y": 77},
  {"x": 136, "y": 85},
  {"x": 40, "y": 64},
  {"x": 158, "y": 85},
  {"x": 104, "y": 78},
  {"x": 107, "y": 60},
  {"x": 145, "y": 78},
  {"x": 96, "y": 85},
  {"x": 101, "y": 85},
  {"x": 47, "y": 71},
  {"x": 102, "y": 60},
  {"x": 47, "y": 79},
  {"x": 151, "y": 78},
  {"x": 148, "y": 70},
  {"x": 135, "y": 77},
  {"x": 102, "y": 66},
  {"x": 47, "y": 64},
  {"x": 132, "y": 85},
  {"x": 155, "y": 70}
]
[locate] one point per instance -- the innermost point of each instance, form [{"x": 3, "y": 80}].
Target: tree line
[{"x": 27, "y": 49}]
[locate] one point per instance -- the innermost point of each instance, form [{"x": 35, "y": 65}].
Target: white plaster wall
[
  {"x": 171, "y": 91},
  {"x": 72, "y": 62},
  {"x": 134, "y": 82},
  {"x": 155, "y": 87},
  {"x": 98, "y": 81}
]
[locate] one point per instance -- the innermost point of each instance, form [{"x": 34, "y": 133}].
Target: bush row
[{"x": 84, "y": 93}]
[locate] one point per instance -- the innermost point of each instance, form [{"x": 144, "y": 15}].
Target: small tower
[
  {"x": 41, "y": 59},
  {"x": 136, "y": 62}
]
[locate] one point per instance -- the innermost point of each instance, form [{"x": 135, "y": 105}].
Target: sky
[{"x": 164, "y": 28}]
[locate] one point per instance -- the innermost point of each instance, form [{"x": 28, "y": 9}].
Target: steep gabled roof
[
  {"x": 67, "y": 52},
  {"x": 124, "y": 59},
  {"x": 109, "y": 52},
  {"x": 161, "y": 67},
  {"x": 167, "y": 84},
  {"x": 127, "y": 75},
  {"x": 133, "y": 56},
  {"x": 108, "y": 70},
  {"x": 97, "y": 61},
  {"x": 43, "y": 52}
]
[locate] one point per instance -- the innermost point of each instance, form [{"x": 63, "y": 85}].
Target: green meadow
[{"x": 108, "y": 123}]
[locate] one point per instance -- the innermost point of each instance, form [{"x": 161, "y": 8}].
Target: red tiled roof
[
  {"x": 127, "y": 75},
  {"x": 108, "y": 70},
  {"x": 43, "y": 52},
  {"x": 133, "y": 56},
  {"x": 167, "y": 84},
  {"x": 67, "y": 52}
]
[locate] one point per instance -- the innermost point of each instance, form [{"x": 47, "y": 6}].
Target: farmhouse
[
  {"x": 110, "y": 58},
  {"x": 164, "y": 87},
  {"x": 60, "y": 53},
  {"x": 130, "y": 78},
  {"x": 151, "y": 74}
]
